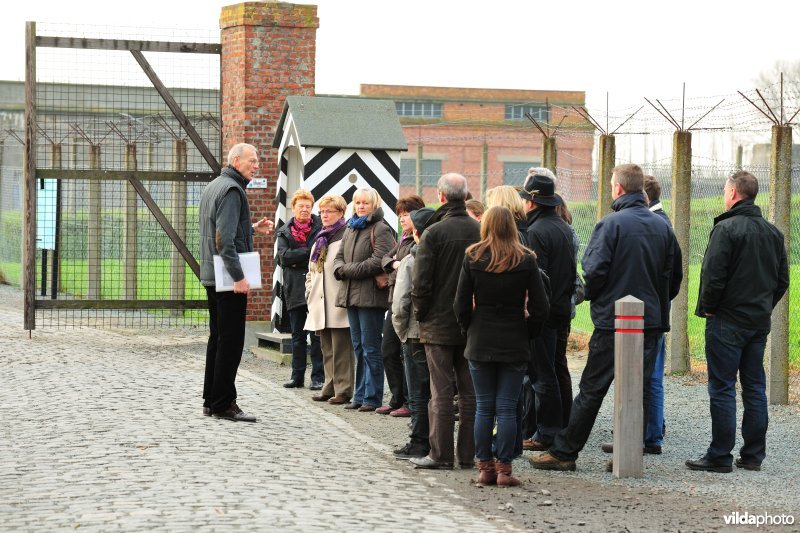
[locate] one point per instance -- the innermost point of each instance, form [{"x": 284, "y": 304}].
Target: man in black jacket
[
  {"x": 630, "y": 252},
  {"x": 440, "y": 255},
  {"x": 743, "y": 277},
  {"x": 551, "y": 239}
]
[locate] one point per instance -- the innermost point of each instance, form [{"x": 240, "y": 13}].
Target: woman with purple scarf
[
  {"x": 324, "y": 318},
  {"x": 293, "y": 242},
  {"x": 391, "y": 347}
]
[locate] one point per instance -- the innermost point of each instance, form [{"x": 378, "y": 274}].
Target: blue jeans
[
  {"x": 731, "y": 349},
  {"x": 366, "y": 326},
  {"x": 497, "y": 391},
  {"x": 418, "y": 379},
  {"x": 297, "y": 319},
  {"x": 595, "y": 381},
  {"x": 654, "y": 425}
]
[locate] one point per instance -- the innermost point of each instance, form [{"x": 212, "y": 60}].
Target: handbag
[{"x": 381, "y": 279}]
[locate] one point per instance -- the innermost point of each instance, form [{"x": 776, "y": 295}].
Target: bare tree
[{"x": 769, "y": 83}]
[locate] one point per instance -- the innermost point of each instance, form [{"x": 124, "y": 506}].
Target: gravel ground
[{"x": 668, "y": 498}]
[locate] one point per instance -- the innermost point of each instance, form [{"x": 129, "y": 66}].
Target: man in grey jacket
[{"x": 226, "y": 230}]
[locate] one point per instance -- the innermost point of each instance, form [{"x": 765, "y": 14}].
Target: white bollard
[{"x": 628, "y": 383}]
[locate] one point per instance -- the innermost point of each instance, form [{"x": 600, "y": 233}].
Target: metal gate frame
[{"x": 135, "y": 178}]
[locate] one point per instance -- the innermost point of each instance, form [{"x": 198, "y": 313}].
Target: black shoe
[
  {"x": 234, "y": 413},
  {"x": 316, "y": 385},
  {"x": 293, "y": 384},
  {"x": 409, "y": 450},
  {"x": 654, "y": 449},
  {"x": 206, "y": 411},
  {"x": 747, "y": 466},
  {"x": 707, "y": 466}
]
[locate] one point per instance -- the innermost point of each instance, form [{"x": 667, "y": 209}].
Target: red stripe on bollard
[
  {"x": 630, "y": 331},
  {"x": 632, "y": 317}
]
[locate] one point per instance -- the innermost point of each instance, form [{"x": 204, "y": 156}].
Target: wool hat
[
  {"x": 420, "y": 217},
  {"x": 541, "y": 190}
]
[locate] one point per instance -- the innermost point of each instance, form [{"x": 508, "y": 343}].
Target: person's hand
[
  {"x": 241, "y": 287},
  {"x": 264, "y": 226},
  {"x": 395, "y": 265}
]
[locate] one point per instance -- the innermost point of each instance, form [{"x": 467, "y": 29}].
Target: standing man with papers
[{"x": 226, "y": 230}]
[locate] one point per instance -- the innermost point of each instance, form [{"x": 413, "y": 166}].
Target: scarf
[
  {"x": 300, "y": 230},
  {"x": 357, "y": 222},
  {"x": 404, "y": 237},
  {"x": 321, "y": 244}
]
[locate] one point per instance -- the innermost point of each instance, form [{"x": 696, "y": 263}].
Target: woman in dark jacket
[
  {"x": 391, "y": 345},
  {"x": 294, "y": 242},
  {"x": 497, "y": 277},
  {"x": 367, "y": 239}
]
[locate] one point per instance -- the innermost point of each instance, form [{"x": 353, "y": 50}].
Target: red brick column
[{"x": 268, "y": 53}]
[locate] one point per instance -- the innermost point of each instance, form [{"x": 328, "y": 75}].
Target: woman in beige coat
[{"x": 324, "y": 318}]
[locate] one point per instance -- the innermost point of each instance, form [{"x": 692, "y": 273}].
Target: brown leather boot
[
  {"x": 487, "y": 474},
  {"x": 504, "y": 477}
]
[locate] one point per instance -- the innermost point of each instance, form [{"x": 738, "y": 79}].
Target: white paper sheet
[{"x": 251, "y": 266}]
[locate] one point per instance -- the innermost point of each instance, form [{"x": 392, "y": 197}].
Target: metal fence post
[
  {"x": 780, "y": 196},
  {"x": 129, "y": 243},
  {"x": 418, "y": 177},
  {"x": 93, "y": 229},
  {"x": 177, "y": 265},
  {"x": 484, "y": 169},
  {"x": 681, "y": 220},
  {"x": 628, "y": 387},
  {"x": 29, "y": 187}
]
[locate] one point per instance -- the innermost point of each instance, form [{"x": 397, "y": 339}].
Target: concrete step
[
  {"x": 281, "y": 342},
  {"x": 269, "y": 354}
]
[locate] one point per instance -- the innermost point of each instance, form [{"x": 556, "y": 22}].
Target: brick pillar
[{"x": 268, "y": 53}]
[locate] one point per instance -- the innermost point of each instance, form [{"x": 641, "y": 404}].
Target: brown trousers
[
  {"x": 338, "y": 360},
  {"x": 447, "y": 364}
]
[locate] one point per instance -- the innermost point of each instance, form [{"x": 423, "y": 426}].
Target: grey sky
[{"x": 628, "y": 48}]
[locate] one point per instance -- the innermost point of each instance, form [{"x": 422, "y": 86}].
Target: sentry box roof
[{"x": 342, "y": 122}]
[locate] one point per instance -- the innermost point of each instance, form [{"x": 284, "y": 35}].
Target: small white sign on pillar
[{"x": 628, "y": 387}]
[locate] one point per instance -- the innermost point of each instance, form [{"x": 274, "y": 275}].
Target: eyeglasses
[{"x": 329, "y": 211}]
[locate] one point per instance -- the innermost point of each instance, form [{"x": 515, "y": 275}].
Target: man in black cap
[
  {"x": 551, "y": 238},
  {"x": 630, "y": 252}
]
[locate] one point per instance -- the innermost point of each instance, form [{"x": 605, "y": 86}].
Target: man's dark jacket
[
  {"x": 436, "y": 268},
  {"x": 745, "y": 272},
  {"x": 293, "y": 259},
  {"x": 551, "y": 238},
  {"x": 632, "y": 252}
]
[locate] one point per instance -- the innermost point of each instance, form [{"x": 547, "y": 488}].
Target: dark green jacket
[{"x": 745, "y": 272}]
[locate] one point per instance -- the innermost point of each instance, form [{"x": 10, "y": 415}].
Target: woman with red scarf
[{"x": 294, "y": 242}]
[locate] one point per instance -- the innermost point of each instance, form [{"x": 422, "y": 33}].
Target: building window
[
  {"x": 431, "y": 172},
  {"x": 419, "y": 109},
  {"x": 517, "y": 112},
  {"x": 514, "y": 173}
]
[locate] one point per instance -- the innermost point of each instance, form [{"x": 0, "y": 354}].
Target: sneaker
[
  {"x": 548, "y": 461},
  {"x": 402, "y": 412},
  {"x": 740, "y": 463},
  {"x": 705, "y": 465},
  {"x": 409, "y": 451},
  {"x": 429, "y": 464}
]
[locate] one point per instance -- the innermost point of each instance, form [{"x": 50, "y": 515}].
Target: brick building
[{"x": 453, "y": 125}]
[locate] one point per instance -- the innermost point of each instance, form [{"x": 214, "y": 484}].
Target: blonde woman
[
  {"x": 508, "y": 197},
  {"x": 324, "y": 318},
  {"x": 367, "y": 239}
]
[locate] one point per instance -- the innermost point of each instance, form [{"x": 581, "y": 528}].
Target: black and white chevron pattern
[{"x": 333, "y": 171}]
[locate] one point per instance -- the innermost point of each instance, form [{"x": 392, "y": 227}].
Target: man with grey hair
[
  {"x": 440, "y": 254},
  {"x": 226, "y": 230}
]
